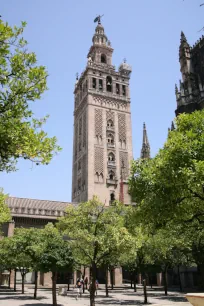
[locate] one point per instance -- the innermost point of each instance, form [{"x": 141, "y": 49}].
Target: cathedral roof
[{"x": 36, "y": 208}]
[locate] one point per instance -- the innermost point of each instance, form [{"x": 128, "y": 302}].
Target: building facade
[
  {"x": 190, "y": 95},
  {"x": 102, "y": 145}
]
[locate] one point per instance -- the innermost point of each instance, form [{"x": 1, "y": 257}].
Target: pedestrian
[
  {"x": 96, "y": 283},
  {"x": 86, "y": 282},
  {"x": 79, "y": 284}
]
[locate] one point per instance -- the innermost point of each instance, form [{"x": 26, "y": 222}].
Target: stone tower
[
  {"x": 145, "y": 151},
  {"x": 190, "y": 95},
  {"x": 102, "y": 125}
]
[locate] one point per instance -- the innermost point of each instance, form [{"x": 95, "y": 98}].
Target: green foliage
[
  {"x": 22, "y": 82},
  {"x": 4, "y": 210},
  {"x": 97, "y": 233},
  {"x": 56, "y": 254},
  {"x": 171, "y": 185},
  {"x": 169, "y": 192}
]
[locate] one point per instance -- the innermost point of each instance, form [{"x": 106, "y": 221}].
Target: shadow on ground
[
  {"x": 123, "y": 302},
  {"x": 39, "y": 304},
  {"x": 173, "y": 298},
  {"x": 21, "y": 297}
]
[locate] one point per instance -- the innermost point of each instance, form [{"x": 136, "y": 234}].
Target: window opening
[
  {"x": 109, "y": 84},
  {"x": 109, "y": 123},
  {"x": 124, "y": 90},
  {"x": 93, "y": 82},
  {"x": 111, "y": 175},
  {"x": 117, "y": 88},
  {"x": 112, "y": 197},
  {"x": 111, "y": 157},
  {"x": 100, "y": 84},
  {"x": 103, "y": 57}
]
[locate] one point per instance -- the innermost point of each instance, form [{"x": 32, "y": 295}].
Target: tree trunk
[
  {"x": 145, "y": 291},
  {"x": 111, "y": 276},
  {"x": 200, "y": 269},
  {"x": 9, "y": 284},
  {"x": 106, "y": 282},
  {"x": 84, "y": 279},
  {"x": 93, "y": 284},
  {"x": 150, "y": 279},
  {"x": 131, "y": 282},
  {"x": 165, "y": 280},
  {"x": 134, "y": 280},
  {"x": 14, "y": 280},
  {"x": 36, "y": 285},
  {"x": 23, "y": 279},
  {"x": 54, "y": 293},
  {"x": 179, "y": 277}
]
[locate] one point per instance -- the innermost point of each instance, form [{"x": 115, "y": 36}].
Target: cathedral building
[
  {"x": 190, "y": 95},
  {"x": 102, "y": 142},
  {"x": 102, "y": 145}
]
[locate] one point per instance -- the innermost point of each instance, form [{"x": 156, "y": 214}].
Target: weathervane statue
[{"x": 98, "y": 18}]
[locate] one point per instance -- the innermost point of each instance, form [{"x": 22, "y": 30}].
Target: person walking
[{"x": 79, "y": 284}]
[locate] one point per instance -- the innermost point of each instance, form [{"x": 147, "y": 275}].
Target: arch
[
  {"x": 112, "y": 196},
  {"x": 111, "y": 157},
  {"x": 111, "y": 175},
  {"x": 96, "y": 177},
  {"x": 103, "y": 58},
  {"x": 110, "y": 123},
  {"x": 101, "y": 178},
  {"x": 109, "y": 83},
  {"x": 110, "y": 139}
]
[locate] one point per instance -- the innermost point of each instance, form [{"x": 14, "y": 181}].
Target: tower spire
[{"x": 145, "y": 152}]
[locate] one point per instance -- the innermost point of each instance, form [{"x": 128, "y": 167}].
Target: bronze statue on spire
[{"x": 98, "y": 18}]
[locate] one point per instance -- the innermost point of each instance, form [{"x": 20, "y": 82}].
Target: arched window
[
  {"x": 111, "y": 175},
  {"x": 112, "y": 196},
  {"x": 111, "y": 157},
  {"x": 110, "y": 139},
  {"x": 109, "y": 84},
  {"x": 103, "y": 58},
  {"x": 110, "y": 123}
]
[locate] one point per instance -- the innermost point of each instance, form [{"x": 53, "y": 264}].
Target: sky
[{"x": 145, "y": 32}]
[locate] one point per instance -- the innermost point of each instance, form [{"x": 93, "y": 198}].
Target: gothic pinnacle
[{"x": 145, "y": 151}]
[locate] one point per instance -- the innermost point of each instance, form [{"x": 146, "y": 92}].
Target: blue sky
[{"x": 146, "y": 32}]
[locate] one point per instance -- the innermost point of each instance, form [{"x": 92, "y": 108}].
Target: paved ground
[{"x": 122, "y": 296}]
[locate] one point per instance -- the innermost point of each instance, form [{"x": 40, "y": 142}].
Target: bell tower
[{"x": 102, "y": 145}]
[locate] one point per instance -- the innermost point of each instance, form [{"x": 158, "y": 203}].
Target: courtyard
[{"x": 118, "y": 296}]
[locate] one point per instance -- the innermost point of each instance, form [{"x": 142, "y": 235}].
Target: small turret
[{"x": 124, "y": 68}]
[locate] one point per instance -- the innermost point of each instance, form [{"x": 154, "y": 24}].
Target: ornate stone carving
[
  {"x": 122, "y": 127},
  {"x": 84, "y": 129},
  {"x": 98, "y": 122},
  {"x": 98, "y": 164},
  {"x": 123, "y": 156}
]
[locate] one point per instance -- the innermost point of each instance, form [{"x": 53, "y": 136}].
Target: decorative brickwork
[
  {"x": 76, "y": 140},
  {"x": 124, "y": 162},
  {"x": 116, "y": 104},
  {"x": 98, "y": 160},
  {"x": 84, "y": 169},
  {"x": 122, "y": 127},
  {"x": 84, "y": 129},
  {"x": 98, "y": 122},
  {"x": 110, "y": 116},
  {"x": 74, "y": 186}
]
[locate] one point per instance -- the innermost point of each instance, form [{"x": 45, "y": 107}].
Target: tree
[
  {"x": 22, "y": 82},
  {"x": 14, "y": 257},
  {"x": 31, "y": 244},
  {"x": 5, "y": 215},
  {"x": 169, "y": 189},
  {"x": 96, "y": 232},
  {"x": 56, "y": 255}
]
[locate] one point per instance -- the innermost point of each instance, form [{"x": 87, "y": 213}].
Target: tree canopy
[{"x": 22, "y": 82}]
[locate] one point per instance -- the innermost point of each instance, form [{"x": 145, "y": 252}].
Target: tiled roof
[{"x": 36, "y": 208}]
